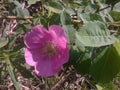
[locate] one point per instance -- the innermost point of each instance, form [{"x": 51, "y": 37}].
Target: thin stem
[{"x": 11, "y": 73}]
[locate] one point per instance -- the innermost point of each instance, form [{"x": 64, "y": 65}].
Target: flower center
[{"x": 49, "y": 49}]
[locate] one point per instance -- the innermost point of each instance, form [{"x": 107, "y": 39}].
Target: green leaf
[
  {"x": 32, "y": 1},
  {"x": 106, "y": 65},
  {"x": 99, "y": 87},
  {"x": 90, "y": 17},
  {"x": 91, "y": 8},
  {"x": 82, "y": 66},
  {"x": 16, "y": 3},
  {"x": 81, "y": 60},
  {"x": 37, "y": 21},
  {"x": 115, "y": 15},
  {"x": 70, "y": 10},
  {"x": 117, "y": 47},
  {"x": 107, "y": 86},
  {"x": 55, "y": 19},
  {"x": 20, "y": 66},
  {"x": 3, "y": 41},
  {"x": 83, "y": 63},
  {"x": 21, "y": 12},
  {"x": 65, "y": 18},
  {"x": 79, "y": 46},
  {"x": 22, "y": 28},
  {"x": 54, "y": 6},
  {"x": 94, "y": 34},
  {"x": 112, "y": 2},
  {"x": 117, "y": 7},
  {"x": 70, "y": 32}
]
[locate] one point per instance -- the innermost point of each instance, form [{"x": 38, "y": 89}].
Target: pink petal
[
  {"x": 32, "y": 56},
  {"x": 44, "y": 68},
  {"x": 61, "y": 57},
  {"x": 35, "y": 37},
  {"x": 28, "y": 57},
  {"x": 58, "y": 35},
  {"x": 57, "y": 31}
]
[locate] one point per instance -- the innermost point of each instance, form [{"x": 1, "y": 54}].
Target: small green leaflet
[{"x": 3, "y": 41}]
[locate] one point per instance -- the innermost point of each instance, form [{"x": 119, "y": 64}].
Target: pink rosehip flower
[{"x": 46, "y": 50}]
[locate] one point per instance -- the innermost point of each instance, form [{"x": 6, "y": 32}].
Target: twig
[
  {"x": 77, "y": 21},
  {"x": 62, "y": 80},
  {"x": 104, "y": 8},
  {"x": 114, "y": 23},
  {"x": 4, "y": 3},
  {"x": 15, "y": 17},
  {"x": 113, "y": 31}
]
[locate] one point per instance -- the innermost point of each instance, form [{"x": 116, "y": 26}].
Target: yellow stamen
[{"x": 49, "y": 49}]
